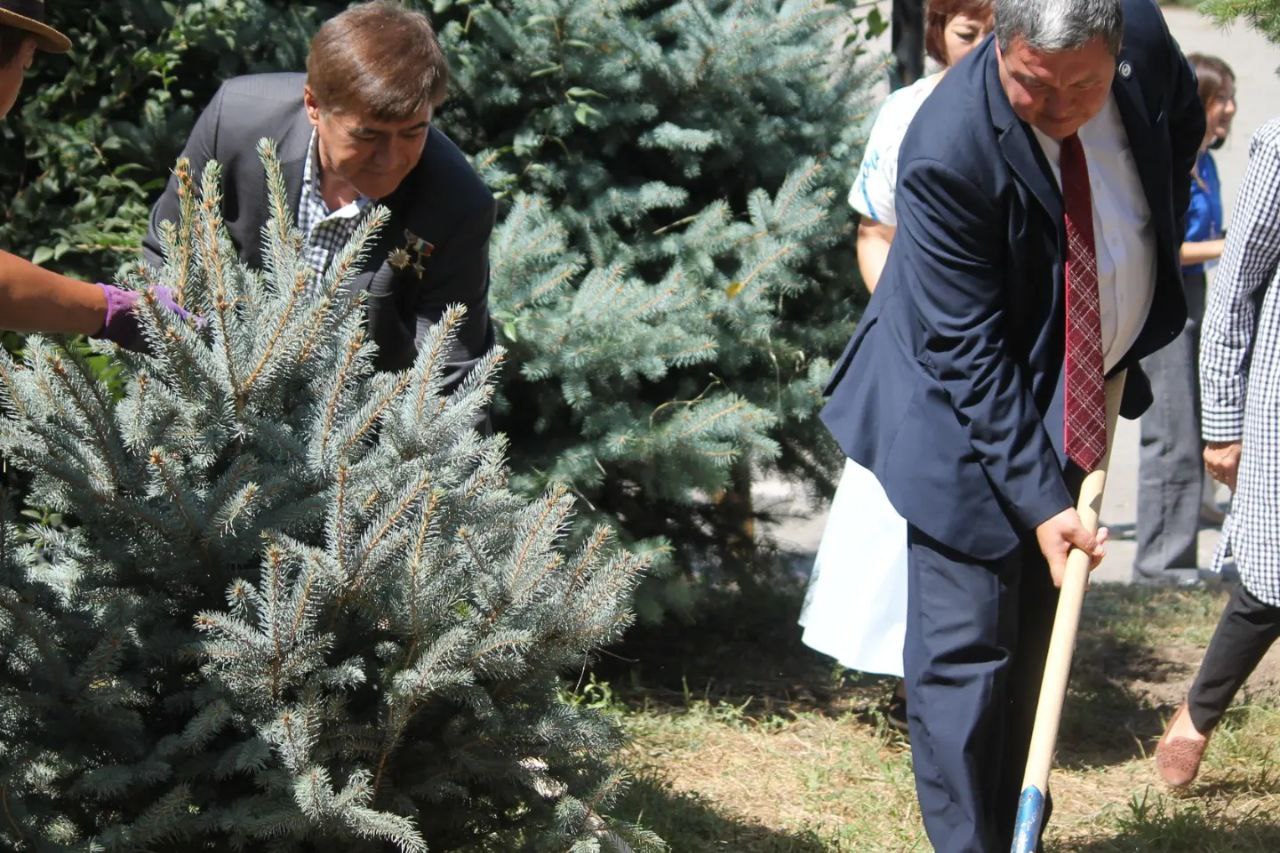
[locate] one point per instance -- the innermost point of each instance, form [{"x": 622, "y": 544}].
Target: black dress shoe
[{"x": 895, "y": 710}]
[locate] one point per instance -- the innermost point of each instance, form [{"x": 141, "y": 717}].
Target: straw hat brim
[{"x": 47, "y": 38}]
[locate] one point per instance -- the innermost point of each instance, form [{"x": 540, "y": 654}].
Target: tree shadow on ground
[
  {"x": 1225, "y": 789},
  {"x": 743, "y": 649},
  {"x": 1125, "y": 676},
  {"x": 690, "y": 823},
  {"x": 1184, "y": 832}
]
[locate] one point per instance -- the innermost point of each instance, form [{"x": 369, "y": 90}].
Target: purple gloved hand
[{"x": 121, "y": 325}]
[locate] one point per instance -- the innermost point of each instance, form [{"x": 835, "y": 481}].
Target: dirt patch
[
  {"x": 1171, "y": 667},
  {"x": 1168, "y": 685}
]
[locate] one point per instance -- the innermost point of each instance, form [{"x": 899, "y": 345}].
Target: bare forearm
[
  {"x": 33, "y": 299},
  {"x": 1201, "y": 251},
  {"x": 874, "y": 239}
]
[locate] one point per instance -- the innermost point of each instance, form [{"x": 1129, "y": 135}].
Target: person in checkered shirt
[
  {"x": 1240, "y": 399},
  {"x": 356, "y": 129}
]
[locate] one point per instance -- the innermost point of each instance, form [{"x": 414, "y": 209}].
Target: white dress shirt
[{"x": 1124, "y": 238}]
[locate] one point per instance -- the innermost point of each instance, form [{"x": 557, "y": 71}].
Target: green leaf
[{"x": 876, "y": 24}]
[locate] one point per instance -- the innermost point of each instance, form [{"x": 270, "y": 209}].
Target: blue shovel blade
[{"x": 1026, "y": 831}]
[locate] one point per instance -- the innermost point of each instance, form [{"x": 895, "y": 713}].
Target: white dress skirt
[{"x": 855, "y": 608}]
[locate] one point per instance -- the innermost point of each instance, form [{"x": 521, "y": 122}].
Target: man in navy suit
[{"x": 1041, "y": 190}]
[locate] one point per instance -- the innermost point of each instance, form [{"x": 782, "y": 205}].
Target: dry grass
[
  {"x": 806, "y": 783},
  {"x": 776, "y": 752}
]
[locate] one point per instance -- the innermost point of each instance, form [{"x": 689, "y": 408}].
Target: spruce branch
[
  {"x": 339, "y": 387},
  {"x": 10, "y": 396},
  {"x": 339, "y": 520},
  {"x": 179, "y": 249},
  {"x": 160, "y": 464},
  {"x": 296, "y": 293},
  {"x": 371, "y": 414},
  {"x": 222, "y": 303},
  {"x": 431, "y": 358},
  {"x": 391, "y": 519},
  {"x": 350, "y": 256},
  {"x": 86, "y": 395},
  {"x": 340, "y": 273},
  {"x": 425, "y": 532},
  {"x": 283, "y": 242}
]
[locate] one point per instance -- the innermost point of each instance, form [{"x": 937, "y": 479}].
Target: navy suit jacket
[
  {"x": 950, "y": 390},
  {"x": 442, "y": 200}
]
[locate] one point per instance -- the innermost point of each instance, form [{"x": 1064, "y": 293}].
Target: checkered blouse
[{"x": 1240, "y": 367}]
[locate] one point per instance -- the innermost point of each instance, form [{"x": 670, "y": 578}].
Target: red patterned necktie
[{"x": 1084, "y": 421}]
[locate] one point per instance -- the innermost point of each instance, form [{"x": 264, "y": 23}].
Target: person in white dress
[{"x": 855, "y": 608}]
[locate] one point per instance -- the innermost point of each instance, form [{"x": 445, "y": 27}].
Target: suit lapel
[
  {"x": 1137, "y": 127},
  {"x": 293, "y": 157},
  {"x": 1017, "y": 145},
  {"x": 1027, "y": 160}
]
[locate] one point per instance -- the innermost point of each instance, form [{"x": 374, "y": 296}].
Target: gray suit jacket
[{"x": 443, "y": 201}]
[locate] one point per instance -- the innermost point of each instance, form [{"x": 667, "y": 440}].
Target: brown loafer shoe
[{"x": 1178, "y": 758}]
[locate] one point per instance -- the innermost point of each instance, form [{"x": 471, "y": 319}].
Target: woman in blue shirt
[
  {"x": 1205, "y": 233},
  {"x": 1171, "y": 472}
]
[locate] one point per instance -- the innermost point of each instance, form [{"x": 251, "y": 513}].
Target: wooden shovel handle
[{"x": 1066, "y": 620}]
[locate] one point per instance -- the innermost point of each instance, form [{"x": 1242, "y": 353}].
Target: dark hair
[
  {"x": 936, "y": 15},
  {"x": 1211, "y": 75},
  {"x": 11, "y": 39},
  {"x": 377, "y": 58}
]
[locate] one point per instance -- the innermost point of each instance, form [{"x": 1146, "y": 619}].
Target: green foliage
[
  {"x": 1263, "y": 15},
  {"x": 295, "y": 605},
  {"x": 97, "y": 130},
  {"x": 674, "y": 268},
  {"x": 674, "y": 272}
]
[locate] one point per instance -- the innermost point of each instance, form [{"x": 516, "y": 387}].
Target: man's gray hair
[{"x": 1054, "y": 25}]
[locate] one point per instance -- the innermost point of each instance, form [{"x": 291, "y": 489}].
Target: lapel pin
[
  {"x": 421, "y": 250},
  {"x": 399, "y": 259},
  {"x": 1126, "y": 70}
]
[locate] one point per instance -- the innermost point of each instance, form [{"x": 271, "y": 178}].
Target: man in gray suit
[{"x": 354, "y": 130}]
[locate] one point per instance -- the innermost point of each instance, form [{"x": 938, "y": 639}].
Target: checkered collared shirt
[
  {"x": 324, "y": 231},
  {"x": 1240, "y": 367}
]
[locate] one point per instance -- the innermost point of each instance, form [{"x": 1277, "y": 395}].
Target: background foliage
[
  {"x": 673, "y": 268},
  {"x": 1264, "y": 15}
]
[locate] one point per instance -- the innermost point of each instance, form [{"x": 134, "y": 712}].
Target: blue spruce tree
[
  {"x": 675, "y": 272},
  {"x": 295, "y": 606}
]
